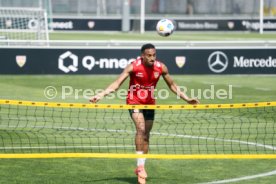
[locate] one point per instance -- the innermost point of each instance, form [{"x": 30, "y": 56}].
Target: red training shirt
[{"x": 142, "y": 82}]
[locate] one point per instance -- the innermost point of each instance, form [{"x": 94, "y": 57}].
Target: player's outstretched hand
[
  {"x": 193, "y": 101},
  {"x": 95, "y": 99}
]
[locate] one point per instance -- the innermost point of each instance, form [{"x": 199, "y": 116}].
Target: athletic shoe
[{"x": 141, "y": 174}]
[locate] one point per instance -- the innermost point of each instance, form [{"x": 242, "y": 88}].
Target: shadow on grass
[{"x": 129, "y": 180}]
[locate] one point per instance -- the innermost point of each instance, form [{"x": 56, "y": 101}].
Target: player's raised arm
[
  {"x": 113, "y": 86},
  {"x": 174, "y": 88}
]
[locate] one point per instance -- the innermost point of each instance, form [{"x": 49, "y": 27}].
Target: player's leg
[
  {"x": 148, "y": 127},
  {"x": 139, "y": 121},
  {"x": 140, "y": 170},
  {"x": 149, "y": 118}
]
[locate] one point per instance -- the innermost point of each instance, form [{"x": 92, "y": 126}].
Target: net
[
  {"x": 41, "y": 127},
  {"x": 19, "y": 24}
]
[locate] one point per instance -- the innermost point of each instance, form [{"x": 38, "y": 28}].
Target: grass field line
[
  {"x": 221, "y": 139},
  {"x": 270, "y": 147},
  {"x": 243, "y": 178},
  {"x": 264, "y": 89}
]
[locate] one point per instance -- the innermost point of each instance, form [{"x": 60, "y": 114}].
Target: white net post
[
  {"x": 142, "y": 17},
  {"x": 261, "y": 17}
]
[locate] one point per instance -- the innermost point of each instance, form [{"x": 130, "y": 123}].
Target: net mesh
[
  {"x": 23, "y": 24},
  {"x": 42, "y": 128}
]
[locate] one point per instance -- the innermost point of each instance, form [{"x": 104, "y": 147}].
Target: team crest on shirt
[{"x": 156, "y": 74}]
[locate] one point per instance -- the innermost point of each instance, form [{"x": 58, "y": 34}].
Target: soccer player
[{"x": 144, "y": 74}]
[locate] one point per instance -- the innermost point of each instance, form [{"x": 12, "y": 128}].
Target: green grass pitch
[{"x": 249, "y": 88}]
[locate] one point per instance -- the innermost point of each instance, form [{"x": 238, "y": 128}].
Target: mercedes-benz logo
[{"x": 217, "y": 62}]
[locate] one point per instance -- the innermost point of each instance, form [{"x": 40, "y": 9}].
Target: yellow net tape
[{"x": 118, "y": 106}]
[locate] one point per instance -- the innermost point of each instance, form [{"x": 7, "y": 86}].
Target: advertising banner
[
  {"x": 115, "y": 24},
  {"x": 71, "y": 24},
  {"x": 218, "y": 25},
  {"x": 113, "y": 61}
]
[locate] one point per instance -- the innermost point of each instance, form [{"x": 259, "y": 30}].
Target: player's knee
[
  {"x": 140, "y": 128},
  {"x": 146, "y": 137},
  {"x": 141, "y": 131}
]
